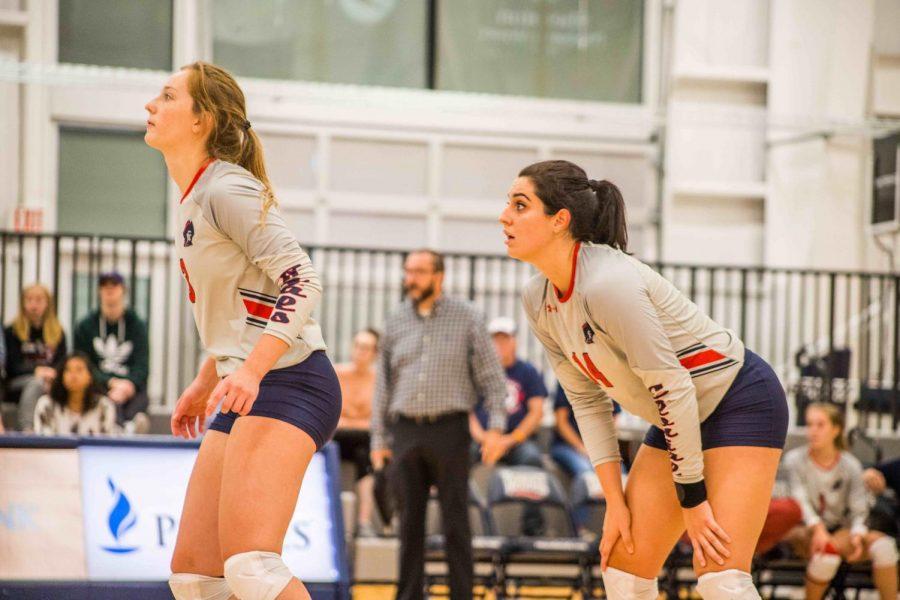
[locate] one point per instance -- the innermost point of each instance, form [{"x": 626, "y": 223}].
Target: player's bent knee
[
  {"x": 731, "y": 584},
  {"x": 822, "y": 567},
  {"x": 625, "y": 586},
  {"x": 257, "y": 575},
  {"x": 190, "y": 586},
  {"x": 883, "y": 552}
]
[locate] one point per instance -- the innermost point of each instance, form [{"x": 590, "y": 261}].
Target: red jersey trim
[
  {"x": 565, "y": 297},
  {"x": 194, "y": 180},
  {"x": 700, "y": 359}
]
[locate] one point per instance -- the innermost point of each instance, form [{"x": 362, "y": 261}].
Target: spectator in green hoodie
[{"x": 115, "y": 339}]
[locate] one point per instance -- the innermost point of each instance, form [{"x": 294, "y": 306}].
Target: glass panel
[
  {"x": 885, "y": 192},
  {"x": 375, "y": 42},
  {"x": 110, "y": 183},
  {"x": 581, "y": 49},
  {"x": 116, "y": 33}
]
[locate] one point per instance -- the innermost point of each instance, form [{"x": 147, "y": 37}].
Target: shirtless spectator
[{"x": 357, "y": 380}]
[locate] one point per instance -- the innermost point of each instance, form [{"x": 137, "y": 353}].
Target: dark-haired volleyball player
[{"x": 615, "y": 329}]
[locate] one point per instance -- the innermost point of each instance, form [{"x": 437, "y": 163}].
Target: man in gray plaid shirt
[{"x": 436, "y": 361}]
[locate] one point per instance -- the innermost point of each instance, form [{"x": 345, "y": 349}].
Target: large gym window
[
  {"x": 578, "y": 49},
  {"x": 371, "y": 42},
  {"x": 116, "y": 34},
  {"x": 110, "y": 183}
]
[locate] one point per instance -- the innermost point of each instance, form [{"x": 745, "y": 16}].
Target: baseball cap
[
  {"x": 110, "y": 278},
  {"x": 502, "y": 325}
]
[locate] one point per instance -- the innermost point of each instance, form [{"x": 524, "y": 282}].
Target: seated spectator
[
  {"x": 357, "y": 379},
  {"x": 827, "y": 483},
  {"x": 73, "y": 405},
  {"x": 115, "y": 340},
  {"x": 525, "y": 397},
  {"x": 35, "y": 342}
]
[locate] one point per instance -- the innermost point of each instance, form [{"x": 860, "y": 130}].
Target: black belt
[{"x": 427, "y": 419}]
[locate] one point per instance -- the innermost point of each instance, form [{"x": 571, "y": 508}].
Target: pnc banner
[{"x": 132, "y": 499}]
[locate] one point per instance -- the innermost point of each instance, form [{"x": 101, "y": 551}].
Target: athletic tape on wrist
[{"x": 691, "y": 494}]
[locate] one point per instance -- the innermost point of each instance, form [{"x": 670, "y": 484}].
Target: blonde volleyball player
[
  {"x": 252, "y": 290},
  {"x": 614, "y": 328}
]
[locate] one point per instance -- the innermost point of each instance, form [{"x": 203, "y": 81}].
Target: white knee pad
[
  {"x": 823, "y": 566},
  {"x": 883, "y": 552},
  {"x": 190, "y": 586},
  {"x": 731, "y": 584},
  {"x": 625, "y": 586},
  {"x": 257, "y": 575}
]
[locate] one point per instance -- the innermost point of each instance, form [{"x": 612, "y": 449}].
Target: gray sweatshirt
[{"x": 834, "y": 496}]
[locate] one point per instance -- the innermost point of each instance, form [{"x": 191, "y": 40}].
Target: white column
[
  {"x": 39, "y": 157},
  {"x": 820, "y": 57}
]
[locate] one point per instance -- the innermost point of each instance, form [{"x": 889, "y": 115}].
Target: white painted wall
[
  {"x": 715, "y": 184},
  {"x": 769, "y": 125},
  {"x": 388, "y": 167},
  {"x": 820, "y": 59}
]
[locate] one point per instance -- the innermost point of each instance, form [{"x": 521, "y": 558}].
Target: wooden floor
[{"x": 386, "y": 592}]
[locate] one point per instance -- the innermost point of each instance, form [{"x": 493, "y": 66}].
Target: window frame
[
  {"x": 173, "y": 48},
  {"x": 651, "y": 48}
]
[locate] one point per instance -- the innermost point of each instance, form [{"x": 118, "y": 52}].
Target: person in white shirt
[
  {"x": 73, "y": 406},
  {"x": 252, "y": 290},
  {"x": 613, "y": 329},
  {"x": 827, "y": 482}
]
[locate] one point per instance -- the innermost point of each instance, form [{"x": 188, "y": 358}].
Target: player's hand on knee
[
  {"x": 236, "y": 391},
  {"x": 707, "y": 536},
  {"x": 616, "y": 525}
]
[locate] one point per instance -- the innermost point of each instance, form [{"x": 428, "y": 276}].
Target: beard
[{"x": 424, "y": 293}]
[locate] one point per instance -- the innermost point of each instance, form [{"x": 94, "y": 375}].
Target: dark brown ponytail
[{"x": 597, "y": 207}]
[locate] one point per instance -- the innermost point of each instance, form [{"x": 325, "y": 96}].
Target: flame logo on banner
[{"x": 121, "y": 519}]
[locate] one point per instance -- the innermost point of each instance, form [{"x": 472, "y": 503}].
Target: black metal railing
[{"x": 830, "y": 335}]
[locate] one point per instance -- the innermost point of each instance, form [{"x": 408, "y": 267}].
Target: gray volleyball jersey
[
  {"x": 835, "y": 497},
  {"x": 244, "y": 277},
  {"x": 623, "y": 332}
]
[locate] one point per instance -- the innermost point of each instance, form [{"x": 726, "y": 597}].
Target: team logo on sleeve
[
  {"x": 588, "y": 333},
  {"x": 188, "y": 234}
]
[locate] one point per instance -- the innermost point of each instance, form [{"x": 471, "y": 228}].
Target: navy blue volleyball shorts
[
  {"x": 306, "y": 395},
  {"x": 753, "y": 412}
]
